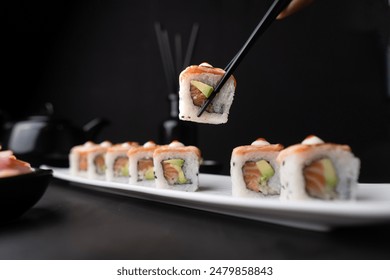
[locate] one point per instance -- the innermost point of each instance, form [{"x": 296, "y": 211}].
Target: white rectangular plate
[{"x": 372, "y": 205}]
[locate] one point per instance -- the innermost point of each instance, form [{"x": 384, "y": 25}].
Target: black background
[{"x": 321, "y": 71}]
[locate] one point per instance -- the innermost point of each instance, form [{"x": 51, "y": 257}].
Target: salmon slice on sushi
[
  {"x": 11, "y": 166},
  {"x": 196, "y": 85},
  {"x": 314, "y": 170},
  {"x": 254, "y": 170},
  {"x": 177, "y": 167}
]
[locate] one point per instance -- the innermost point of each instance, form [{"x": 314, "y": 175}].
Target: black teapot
[{"x": 43, "y": 139}]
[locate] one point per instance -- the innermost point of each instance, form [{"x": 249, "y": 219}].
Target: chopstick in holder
[
  {"x": 191, "y": 45},
  {"x": 164, "y": 56},
  {"x": 171, "y": 65},
  {"x": 273, "y": 11},
  {"x": 178, "y": 53}
]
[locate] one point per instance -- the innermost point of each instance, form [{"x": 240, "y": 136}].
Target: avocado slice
[
  {"x": 204, "y": 88},
  {"x": 178, "y": 163},
  {"x": 330, "y": 175},
  {"x": 265, "y": 169},
  {"x": 125, "y": 170},
  {"x": 149, "y": 174}
]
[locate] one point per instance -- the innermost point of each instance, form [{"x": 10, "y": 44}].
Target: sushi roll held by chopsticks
[
  {"x": 196, "y": 85},
  {"x": 317, "y": 170},
  {"x": 254, "y": 170}
]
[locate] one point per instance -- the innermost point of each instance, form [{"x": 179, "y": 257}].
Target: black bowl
[{"x": 19, "y": 193}]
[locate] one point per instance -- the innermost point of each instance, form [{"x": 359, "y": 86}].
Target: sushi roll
[
  {"x": 88, "y": 160},
  {"x": 254, "y": 170},
  {"x": 196, "y": 85},
  {"x": 314, "y": 170},
  {"x": 78, "y": 159},
  {"x": 177, "y": 167},
  {"x": 141, "y": 170},
  {"x": 117, "y": 162},
  {"x": 96, "y": 161}
]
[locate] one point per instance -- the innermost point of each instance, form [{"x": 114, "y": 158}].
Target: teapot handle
[{"x": 93, "y": 127}]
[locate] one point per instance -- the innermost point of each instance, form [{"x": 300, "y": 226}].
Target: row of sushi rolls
[{"x": 311, "y": 170}]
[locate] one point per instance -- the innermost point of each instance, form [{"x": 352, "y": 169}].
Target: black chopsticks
[{"x": 274, "y": 10}]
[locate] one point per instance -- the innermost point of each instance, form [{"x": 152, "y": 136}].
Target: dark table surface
[{"x": 75, "y": 222}]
